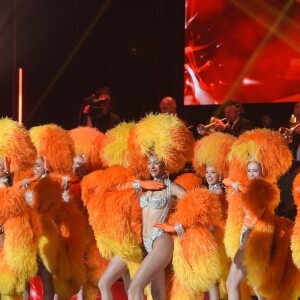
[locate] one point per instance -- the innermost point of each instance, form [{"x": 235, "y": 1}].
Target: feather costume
[
  {"x": 114, "y": 214},
  {"x": 88, "y": 143},
  {"x": 295, "y": 243},
  {"x": 16, "y": 148},
  {"x": 196, "y": 259},
  {"x": 20, "y": 223},
  {"x": 295, "y": 240},
  {"x": 195, "y": 262},
  {"x": 212, "y": 151},
  {"x": 267, "y": 256},
  {"x": 188, "y": 181},
  {"x": 19, "y": 251},
  {"x": 56, "y": 146}
]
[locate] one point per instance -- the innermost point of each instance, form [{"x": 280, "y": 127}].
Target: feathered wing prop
[
  {"x": 113, "y": 215},
  {"x": 196, "y": 260},
  {"x": 268, "y": 256},
  {"x": 22, "y": 228}
]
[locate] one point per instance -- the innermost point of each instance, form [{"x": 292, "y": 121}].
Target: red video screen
[{"x": 243, "y": 50}]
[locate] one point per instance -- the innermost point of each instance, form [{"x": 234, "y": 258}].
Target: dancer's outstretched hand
[
  {"x": 237, "y": 186},
  {"x": 165, "y": 227},
  {"x": 151, "y": 185}
]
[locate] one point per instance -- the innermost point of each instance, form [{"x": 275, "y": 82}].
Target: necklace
[
  {"x": 4, "y": 180},
  {"x": 44, "y": 175},
  {"x": 214, "y": 187},
  {"x": 161, "y": 179}
]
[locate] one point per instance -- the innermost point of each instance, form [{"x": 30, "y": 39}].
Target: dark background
[{"x": 68, "y": 49}]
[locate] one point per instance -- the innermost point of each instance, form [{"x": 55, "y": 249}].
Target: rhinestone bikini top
[{"x": 156, "y": 201}]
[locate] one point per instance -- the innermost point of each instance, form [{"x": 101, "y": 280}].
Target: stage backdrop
[{"x": 243, "y": 50}]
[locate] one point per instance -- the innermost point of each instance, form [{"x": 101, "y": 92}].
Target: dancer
[
  {"x": 88, "y": 143},
  {"x": 238, "y": 271},
  {"x": 251, "y": 223},
  {"x": 148, "y": 157},
  {"x": 119, "y": 226},
  {"x": 20, "y": 226},
  {"x": 117, "y": 203},
  {"x": 210, "y": 159},
  {"x": 203, "y": 236},
  {"x": 44, "y": 196},
  {"x": 56, "y": 147}
]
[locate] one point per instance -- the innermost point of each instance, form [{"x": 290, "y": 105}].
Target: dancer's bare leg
[
  {"x": 158, "y": 286},
  {"x": 26, "y": 294},
  {"x": 80, "y": 295},
  {"x": 116, "y": 268},
  {"x": 47, "y": 281},
  {"x": 151, "y": 268},
  {"x": 214, "y": 293},
  {"x": 237, "y": 272},
  {"x": 259, "y": 297},
  {"x": 127, "y": 280}
]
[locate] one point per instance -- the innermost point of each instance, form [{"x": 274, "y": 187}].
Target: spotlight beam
[
  {"x": 68, "y": 60},
  {"x": 251, "y": 62},
  {"x": 251, "y": 8}
]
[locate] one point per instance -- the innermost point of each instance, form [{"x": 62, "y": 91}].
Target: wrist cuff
[
  {"x": 137, "y": 186},
  {"x": 235, "y": 186},
  {"x": 25, "y": 183},
  {"x": 179, "y": 229},
  {"x": 65, "y": 180}
]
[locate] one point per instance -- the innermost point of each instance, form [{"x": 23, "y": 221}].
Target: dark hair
[
  {"x": 235, "y": 103},
  {"x": 103, "y": 90}
]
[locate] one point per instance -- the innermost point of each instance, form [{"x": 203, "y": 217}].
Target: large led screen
[{"x": 243, "y": 50}]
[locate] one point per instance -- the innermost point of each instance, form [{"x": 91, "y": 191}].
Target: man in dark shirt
[
  {"x": 96, "y": 111},
  {"x": 294, "y": 144},
  {"x": 236, "y": 124}
]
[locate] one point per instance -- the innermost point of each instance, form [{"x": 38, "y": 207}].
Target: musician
[
  {"x": 295, "y": 144},
  {"x": 96, "y": 111},
  {"x": 168, "y": 105},
  {"x": 236, "y": 124},
  {"x": 286, "y": 206}
]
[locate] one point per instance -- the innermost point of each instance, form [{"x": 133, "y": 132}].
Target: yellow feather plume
[
  {"x": 115, "y": 145},
  {"x": 266, "y": 146},
  {"x": 166, "y": 136},
  {"x": 16, "y": 146},
  {"x": 212, "y": 150}
]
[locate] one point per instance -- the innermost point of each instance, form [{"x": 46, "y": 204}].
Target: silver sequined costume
[{"x": 156, "y": 202}]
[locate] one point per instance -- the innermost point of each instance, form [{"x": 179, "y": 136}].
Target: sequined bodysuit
[{"x": 156, "y": 202}]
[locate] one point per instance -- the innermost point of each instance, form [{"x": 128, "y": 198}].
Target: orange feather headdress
[
  {"x": 55, "y": 144},
  {"x": 212, "y": 150},
  {"x": 115, "y": 145},
  {"x": 265, "y": 146},
  {"x": 88, "y": 143},
  {"x": 166, "y": 136},
  {"x": 16, "y": 147}
]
